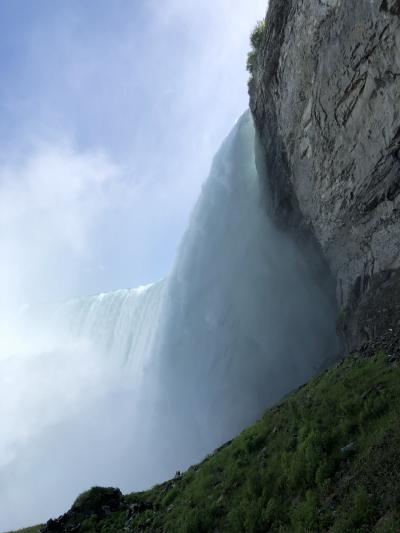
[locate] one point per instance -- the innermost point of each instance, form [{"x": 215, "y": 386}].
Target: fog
[
  {"x": 126, "y": 388},
  {"x": 246, "y": 317},
  {"x": 106, "y": 139}
]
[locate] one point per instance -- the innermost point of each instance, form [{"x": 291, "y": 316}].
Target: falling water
[{"x": 239, "y": 322}]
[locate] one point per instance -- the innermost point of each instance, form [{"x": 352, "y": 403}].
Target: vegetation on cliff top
[
  {"x": 327, "y": 458},
  {"x": 255, "y": 41}
]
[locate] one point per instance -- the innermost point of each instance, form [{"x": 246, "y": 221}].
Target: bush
[
  {"x": 255, "y": 40},
  {"x": 305, "y": 514},
  {"x": 257, "y": 34},
  {"x": 358, "y": 514}
]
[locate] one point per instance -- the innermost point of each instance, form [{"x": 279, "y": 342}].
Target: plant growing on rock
[{"x": 255, "y": 40}]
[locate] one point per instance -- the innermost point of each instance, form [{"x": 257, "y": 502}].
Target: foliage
[{"x": 255, "y": 40}]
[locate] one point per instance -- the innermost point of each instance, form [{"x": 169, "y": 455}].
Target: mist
[
  {"x": 105, "y": 145},
  {"x": 127, "y": 387},
  {"x": 246, "y": 319}
]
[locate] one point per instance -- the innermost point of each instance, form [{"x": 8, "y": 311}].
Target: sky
[{"x": 110, "y": 113}]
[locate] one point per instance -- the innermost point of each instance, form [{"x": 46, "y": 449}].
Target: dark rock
[
  {"x": 72, "y": 527},
  {"x": 349, "y": 449},
  {"x": 138, "y": 507},
  {"x": 391, "y": 6},
  {"x": 106, "y": 510}
]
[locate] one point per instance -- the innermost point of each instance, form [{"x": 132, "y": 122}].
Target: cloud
[
  {"x": 50, "y": 202},
  {"x": 156, "y": 89}
]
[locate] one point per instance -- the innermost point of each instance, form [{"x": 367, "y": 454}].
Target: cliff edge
[{"x": 325, "y": 96}]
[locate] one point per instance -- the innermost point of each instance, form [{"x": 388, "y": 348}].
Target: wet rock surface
[
  {"x": 325, "y": 96},
  {"x": 372, "y": 319}
]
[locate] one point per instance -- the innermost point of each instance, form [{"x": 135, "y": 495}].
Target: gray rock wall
[{"x": 325, "y": 96}]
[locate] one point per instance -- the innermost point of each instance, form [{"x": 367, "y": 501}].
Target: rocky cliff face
[{"x": 325, "y": 96}]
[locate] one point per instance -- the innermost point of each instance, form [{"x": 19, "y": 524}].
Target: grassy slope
[{"x": 327, "y": 458}]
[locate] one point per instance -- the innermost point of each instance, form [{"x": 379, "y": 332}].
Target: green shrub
[
  {"x": 358, "y": 513},
  {"x": 251, "y": 61},
  {"x": 257, "y": 34},
  {"x": 197, "y": 521},
  {"x": 255, "y": 40},
  {"x": 305, "y": 514}
]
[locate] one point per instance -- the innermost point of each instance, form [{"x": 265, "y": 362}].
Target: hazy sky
[{"x": 110, "y": 113}]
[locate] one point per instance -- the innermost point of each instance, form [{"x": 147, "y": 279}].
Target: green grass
[{"x": 327, "y": 458}]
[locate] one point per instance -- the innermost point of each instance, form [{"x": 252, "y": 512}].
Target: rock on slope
[{"x": 325, "y": 95}]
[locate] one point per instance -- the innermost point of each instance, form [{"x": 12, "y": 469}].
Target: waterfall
[
  {"x": 238, "y": 323},
  {"x": 120, "y": 324},
  {"x": 244, "y": 322}
]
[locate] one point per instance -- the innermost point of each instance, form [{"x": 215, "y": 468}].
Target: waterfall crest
[{"x": 120, "y": 324}]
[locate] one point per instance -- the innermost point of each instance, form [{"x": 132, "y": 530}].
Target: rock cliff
[{"x": 325, "y": 96}]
